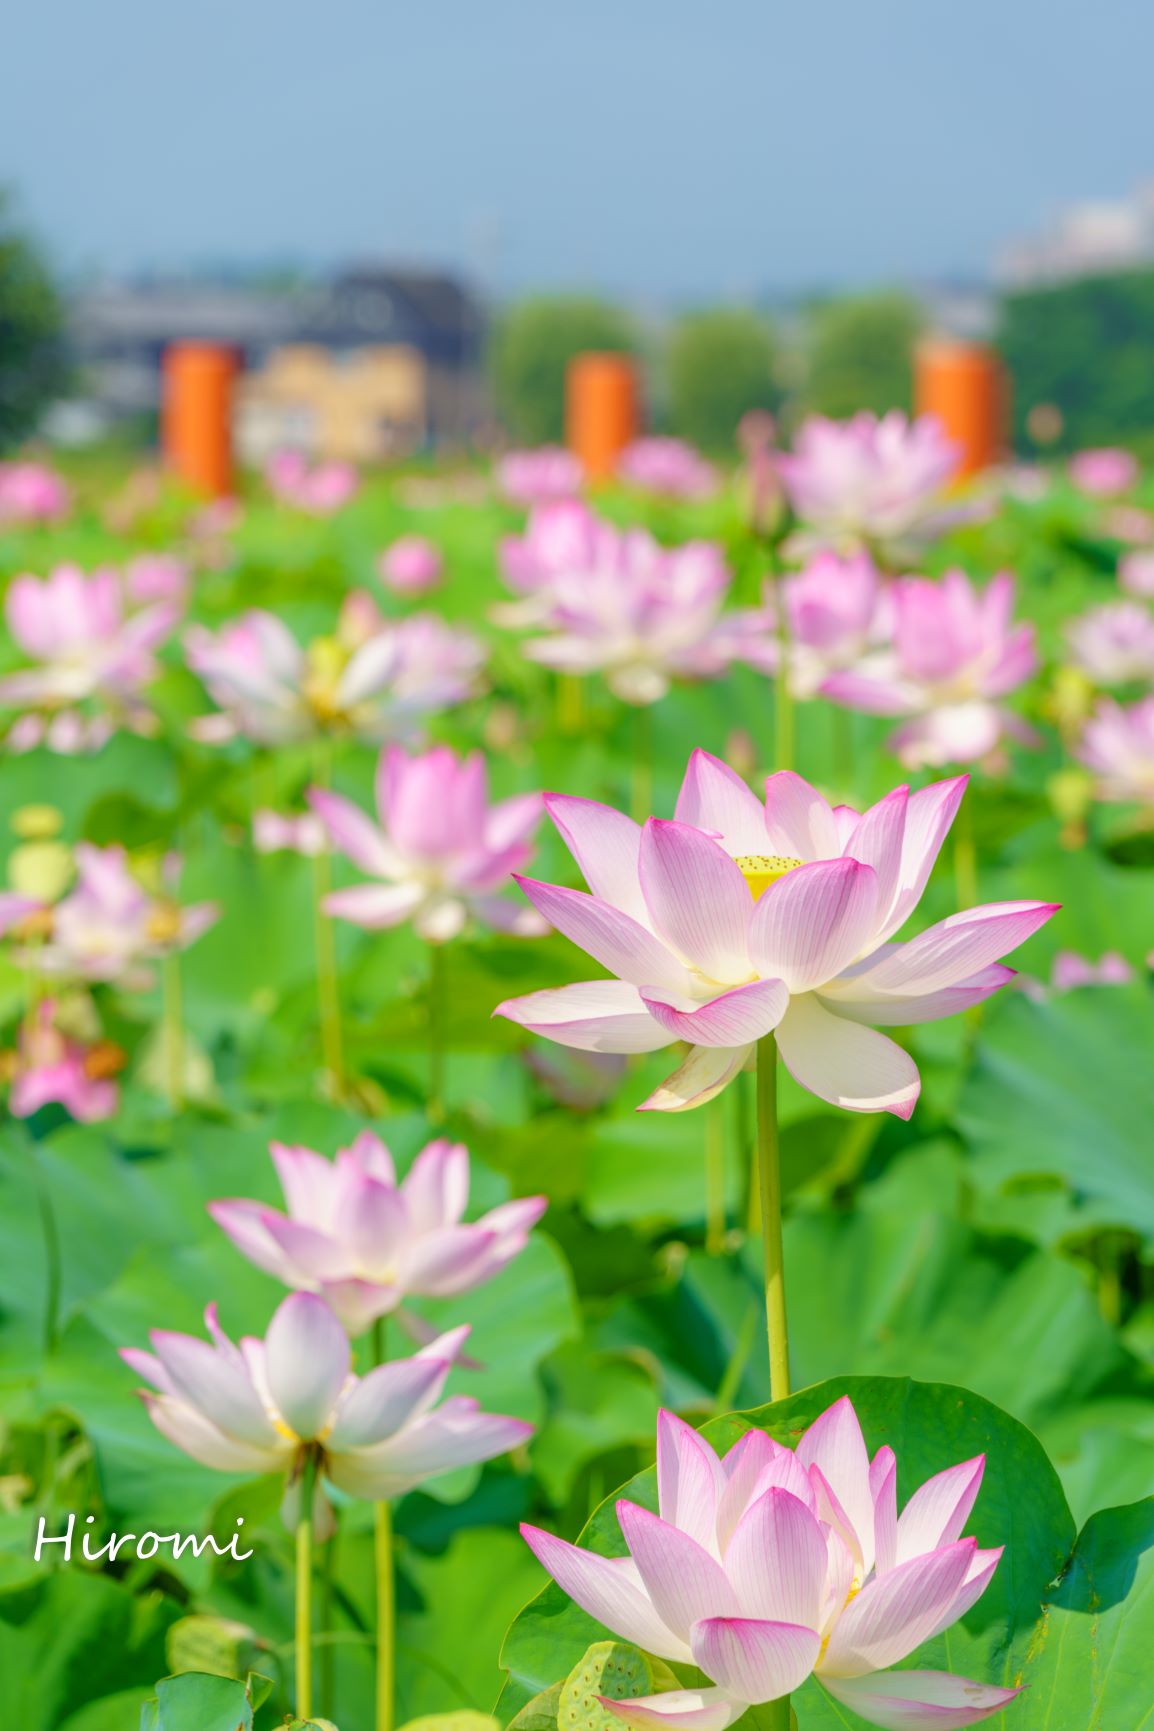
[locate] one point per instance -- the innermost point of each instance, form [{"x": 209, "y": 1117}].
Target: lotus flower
[
  {"x": 738, "y": 920},
  {"x": 1114, "y": 644},
  {"x": 109, "y": 926},
  {"x": 289, "y": 832},
  {"x": 837, "y": 610},
  {"x": 769, "y": 1564},
  {"x": 320, "y": 489},
  {"x": 258, "y": 1407},
  {"x": 1103, "y": 473},
  {"x": 562, "y": 536},
  {"x": 869, "y": 482},
  {"x": 93, "y": 653},
  {"x": 31, "y": 493},
  {"x": 156, "y": 577},
  {"x": 955, "y": 655},
  {"x": 1070, "y": 970},
  {"x": 369, "y": 679},
  {"x": 367, "y": 1243},
  {"x": 536, "y": 477},
  {"x": 440, "y": 852},
  {"x": 52, "y": 1065},
  {"x": 668, "y": 467},
  {"x": 642, "y": 614},
  {"x": 1118, "y": 745},
  {"x": 411, "y": 566}
]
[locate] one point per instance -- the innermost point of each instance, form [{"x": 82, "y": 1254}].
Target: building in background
[
  {"x": 377, "y": 362},
  {"x": 1090, "y": 239}
]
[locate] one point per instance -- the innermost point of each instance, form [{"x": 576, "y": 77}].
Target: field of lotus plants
[{"x": 578, "y": 1071}]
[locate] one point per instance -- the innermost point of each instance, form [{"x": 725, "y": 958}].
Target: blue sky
[{"x": 670, "y": 151}]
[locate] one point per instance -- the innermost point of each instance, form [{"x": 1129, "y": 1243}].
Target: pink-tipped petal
[
  {"x": 714, "y": 798},
  {"x": 681, "y": 1709},
  {"x": 884, "y": 1491},
  {"x": 307, "y": 1360},
  {"x": 844, "y": 1063},
  {"x": 376, "y": 907},
  {"x": 191, "y": 1431},
  {"x": 956, "y": 949},
  {"x": 698, "y": 901},
  {"x": 895, "y": 1613},
  {"x": 689, "y": 1480},
  {"x": 835, "y": 1445},
  {"x": 593, "y": 1016},
  {"x": 605, "y": 844},
  {"x": 752, "y": 1659},
  {"x": 937, "y": 1512},
  {"x": 436, "y": 1186},
  {"x": 702, "y": 1076},
  {"x": 811, "y": 923},
  {"x": 682, "y": 1580},
  {"x": 799, "y": 821},
  {"x": 611, "y": 937},
  {"x": 609, "y": 1589},
  {"x": 390, "y": 1396},
  {"x": 352, "y": 833},
  {"x": 735, "y": 1018},
  {"x": 777, "y": 1561},
  {"x": 919, "y": 1700},
  {"x": 216, "y": 1384}
]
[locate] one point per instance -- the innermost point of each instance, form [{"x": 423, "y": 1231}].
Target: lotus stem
[
  {"x": 965, "y": 857},
  {"x": 384, "y": 1583},
  {"x": 173, "y": 1030},
  {"x": 304, "y": 1588},
  {"x": 570, "y": 704},
  {"x": 715, "y": 1179},
  {"x": 436, "y": 1033},
  {"x": 769, "y": 1183},
  {"x": 324, "y": 938},
  {"x": 641, "y": 798}
]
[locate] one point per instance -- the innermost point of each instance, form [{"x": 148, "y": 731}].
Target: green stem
[
  {"x": 774, "y": 1716},
  {"x": 715, "y": 1178},
  {"x": 436, "y": 1033},
  {"x": 173, "y": 1024},
  {"x": 641, "y": 796},
  {"x": 327, "y": 1681},
  {"x": 570, "y": 705},
  {"x": 304, "y": 1587},
  {"x": 383, "y": 1570},
  {"x": 965, "y": 857},
  {"x": 53, "y": 1267},
  {"x": 769, "y": 1183}
]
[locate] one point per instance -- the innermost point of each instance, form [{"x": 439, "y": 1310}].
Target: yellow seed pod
[
  {"x": 762, "y": 869},
  {"x": 37, "y": 822},
  {"x": 43, "y": 869}
]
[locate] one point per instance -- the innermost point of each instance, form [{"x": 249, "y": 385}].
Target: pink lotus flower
[
  {"x": 257, "y": 1407},
  {"x": 562, "y": 537},
  {"x": 93, "y": 655},
  {"x": 768, "y": 1565},
  {"x": 55, "y": 1067},
  {"x": 320, "y": 488},
  {"x": 642, "y": 614},
  {"x": 1118, "y": 745},
  {"x": 955, "y": 654},
  {"x": 1136, "y": 573},
  {"x": 411, "y": 566},
  {"x": 109, "y": 927},
  {"x": 1070, "y": 970},
  {"x": 156, "y": 577},
  {"x": 1103, "y": 473},
  {"x": 668, "y": 467},
  {"x": 1113, "y": 644},
  {"x": 440, "y": 852},
  {"x": 370, "y": 679},
  {"x": 367, "y": 1243},
  {"x": 869, "y": 482},
  {"x": 536, "y": 477},
  {"x": 289, "y": 832},
  {"x": 31, "y": 493},
  {"x": 738, "y": 920},
  {"x": 837, "y": 611}
]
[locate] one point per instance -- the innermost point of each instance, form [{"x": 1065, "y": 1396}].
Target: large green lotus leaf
[
  {"x": 72, "y": 1638},
  {"x": 597, "y": 1402},
  {"x": 1067, "y": 1088},
  {"x": 929, "y": 1426}
]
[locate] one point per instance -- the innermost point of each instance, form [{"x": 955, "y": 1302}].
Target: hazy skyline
[{"x": 651, "y": 150}]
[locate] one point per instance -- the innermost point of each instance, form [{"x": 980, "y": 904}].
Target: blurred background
[{"x": 406, "y": 220}]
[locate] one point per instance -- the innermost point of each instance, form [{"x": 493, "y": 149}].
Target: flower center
[
  {"x": 326, "y": 660},
  {"x": 762, "y": 869}
]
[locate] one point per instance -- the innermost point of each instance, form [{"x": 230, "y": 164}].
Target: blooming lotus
[
  {"x": 561, "y": 536},
  {"x": 955, "y": 654},
  {"x": 109, "y": 926},
  {"x": 64, "y": 1065},
  {"x": 93, "y": 655},
  {"x": 669, "y": 467},
  {"x": 535, "y": 477},
  {"x": 320, "y": 488},
  {"x": 260, "y": 1406},
  {"x": 836, "y": 611},
  {"x": 370, "y": 678},
  {"x": 768, "y": 1564},
  {"x": 31, "y": 493},
  {"x": 1071, "y": 970},
  {"x": 1114, "y": 644},
  {"x": 367, "y": 1243},
  {"x": 740, "y": 919},
  {"x": 1118, "y": 745},
  {"x": 869, "y": 482},
  {"x": 1136, "y": 573},
  {"x": 440, "y": 851},
  {"x": 411, "y": 566},
  {"x": 642, "y": 614},
  {"x": 1103, "y": 473},
  {"x": 289, "y": 832}
]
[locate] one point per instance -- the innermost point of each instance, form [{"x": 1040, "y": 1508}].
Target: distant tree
[
  {"x": 33, "y": 369},
  {"x": 719, "y": 365},
  {"x": 1087, "y": 349},
  {"x": 532, "y": 346},
  {"x": 860, "y": 354}
]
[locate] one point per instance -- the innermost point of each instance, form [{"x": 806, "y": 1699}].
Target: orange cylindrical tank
[
  {"x": 601, "y": 411},
  {"x": 963, "y": 384},
  {"x": 197, "y": 415}
]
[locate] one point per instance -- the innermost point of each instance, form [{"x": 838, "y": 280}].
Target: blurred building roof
[{"x": 1084, "y": 240}]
